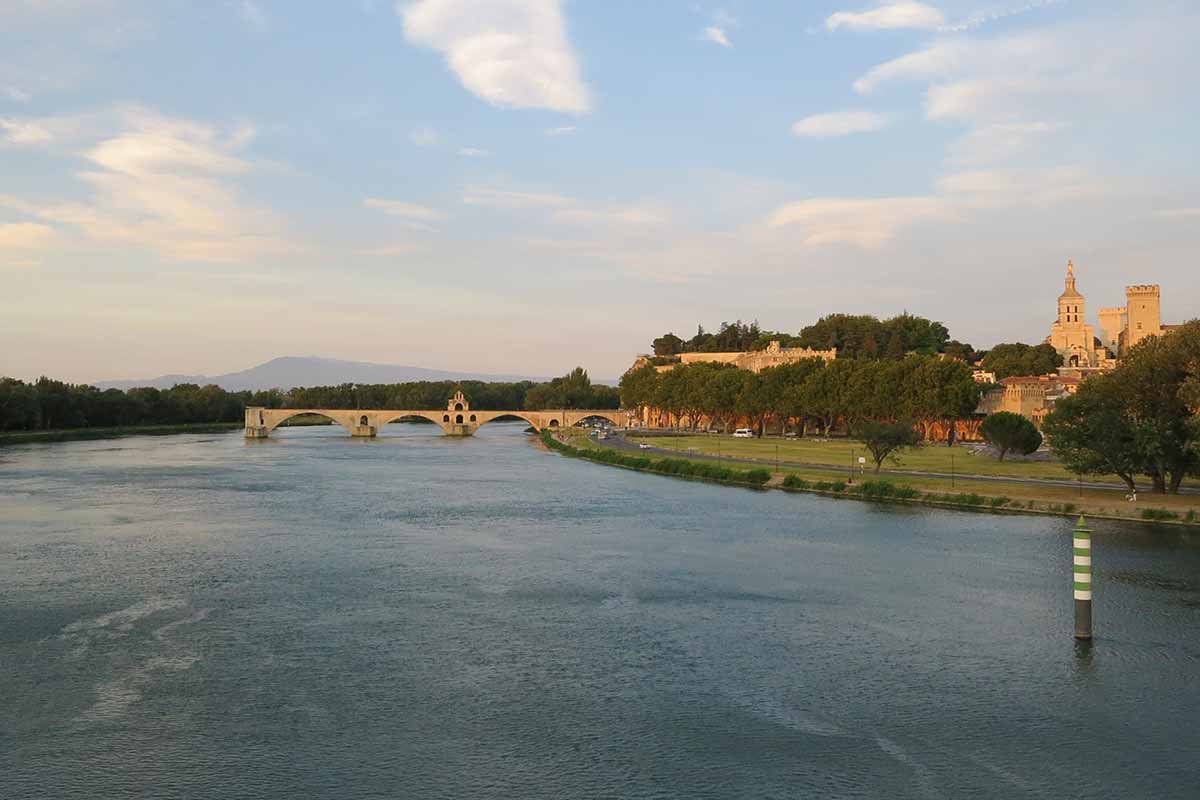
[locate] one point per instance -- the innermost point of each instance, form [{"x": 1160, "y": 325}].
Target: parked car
[
  {"x": 643, "y": 446},
  {"x": 743, "y": 433}
]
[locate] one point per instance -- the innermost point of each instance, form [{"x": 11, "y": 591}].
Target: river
[{"x": 312, "y": 616}]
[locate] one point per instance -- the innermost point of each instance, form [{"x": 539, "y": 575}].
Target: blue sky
[{"x": 520, "y": 186}]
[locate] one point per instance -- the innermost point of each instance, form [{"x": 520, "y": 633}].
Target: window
[
  {"x": 445, "y": 418},
  {"x": 362, "y": 421},
  {"x": 458, "y": 407},
  {"x": 458, "y": 419}
]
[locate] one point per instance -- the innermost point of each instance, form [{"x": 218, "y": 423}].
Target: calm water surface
[{"x": 200, "y": 617}]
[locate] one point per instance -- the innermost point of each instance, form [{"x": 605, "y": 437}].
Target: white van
[{"x": 743, "y": 433}]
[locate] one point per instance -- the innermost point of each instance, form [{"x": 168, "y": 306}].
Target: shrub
[
  {"x": 822, "y": 486},
  {"x": 1068, "y": 508},
  {"x": 907, "y": 493},
  {"x": 1000, "y": 501},
  {"x": 1158, "y": 514},
  {"x": 1191, "y": 516},
  {"x": 795, "y": 482},
  {"x": 758, "y": 477},
  {"x": 838, "y": 486}
]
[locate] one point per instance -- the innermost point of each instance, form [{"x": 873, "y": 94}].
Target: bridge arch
[
  {"x": 275, "y": 420},
  {"x": 431, "y": 416}
]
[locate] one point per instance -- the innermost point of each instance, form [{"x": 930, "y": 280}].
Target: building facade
[
  {"x": 1121, "y": 328},
  {"x": 753, "y": 360}
]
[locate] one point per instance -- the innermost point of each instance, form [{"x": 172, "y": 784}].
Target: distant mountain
[{"x": 291, "y": 371}]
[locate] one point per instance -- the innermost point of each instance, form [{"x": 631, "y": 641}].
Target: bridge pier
[
  {"x": 363, "y": 431},
  {"x": 257, "y": 432}
]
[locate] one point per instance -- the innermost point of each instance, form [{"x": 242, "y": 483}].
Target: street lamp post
[{"x": 952, "y": 470}]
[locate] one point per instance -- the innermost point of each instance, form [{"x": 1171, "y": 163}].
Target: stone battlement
[{"x": 1148, "y": 289}]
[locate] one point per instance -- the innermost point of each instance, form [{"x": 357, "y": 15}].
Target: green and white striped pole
[{"x": 1082, "y": 541}]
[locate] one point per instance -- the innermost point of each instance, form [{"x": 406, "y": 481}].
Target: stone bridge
[{"x": 457, "y": 420}]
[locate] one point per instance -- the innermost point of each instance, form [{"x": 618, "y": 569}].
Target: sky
[{"x": 521, "y": 186}]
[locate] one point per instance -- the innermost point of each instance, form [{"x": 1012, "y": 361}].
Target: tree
[
  {"x": 1091, "y": 435},
  {"x": 1007, "y": 431},
  {"x": 573, "y": 390},
  {"x": 1137, "y": 419},
  {"x": 1007, "y": 360},
  {"x": 668, "y": 345},
  {"x": 883, "y": 439}
]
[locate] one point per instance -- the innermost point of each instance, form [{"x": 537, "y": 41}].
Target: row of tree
[
  {"x": 46, "y": 404},
  {"x": 49, "y": 404},
  {"x": 927, "y": 390},
  {"x": 1141, "y": 419},
  {"x": 865, "y": 336},
  {"x": 853, "y": 336}
]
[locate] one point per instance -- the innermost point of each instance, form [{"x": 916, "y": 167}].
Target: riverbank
[
  {"x": 962, "y": 493},
  {"x": 76, "y": 434}
]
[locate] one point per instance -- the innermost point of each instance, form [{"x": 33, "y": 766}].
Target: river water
[{"x": 421, "y": 617}]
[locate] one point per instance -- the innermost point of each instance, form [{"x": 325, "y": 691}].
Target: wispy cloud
[
  {"x": 716, "y": 35},
  {"x": 510, "y": 53},
  {"x": 561, "y": 130},
  {"x": 503, "y": 198},
  {"x": 253, "y": 15},
  {"x": 871, "y": 223},
  {"x": 632, "y": 215},
  {"x": 473, "y": 152},
  {"x": 424, "y": 136},
  {"x": 161, "y": 183},
  {"x": 417, "y": 216},
  {"x": 840, "y": 123},
  {"x": 888, "y": 15},
  {"x": 24, "y": 236}
]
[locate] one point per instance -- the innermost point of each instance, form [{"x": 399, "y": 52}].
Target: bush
[
  {"x": 1158, "y": 514},
  {"x": 795, "y": 482},
  {"x": 997, "y": 502},
  {"x": 1191, "y": 516},
  {"x": 907, "y": 493},
  {"x": 838, "y": 486},
  {"x": 822, "y": 486},
  {"x": 758, "y": 477}
]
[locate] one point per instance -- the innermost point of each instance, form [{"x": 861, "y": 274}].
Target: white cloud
[
  {"x": 633, "y": 215},
  {"x": 1000, "y": 141},
  {"x": 840, "y": 123},
  {"x": 253, "y": 15},
  {"x": 871, "y": 223},
  {"x": 561, "y": 130},
  {"x": 894, "y": 14},
  {"x": 16, "y": 132},
  {"x": 865, "y": 223},
  {"x": 390, "y": 250},
  {"x": 716, "y": 36},
  {"x": 1181, "y": 213},
  {"x": 473, "y": 152},
  {"x": 163, "y": 184},
  {"x": 501, "y": 198},
  {"x": 25, "y": 236},
  {"x": 510, "y": 53},
  {"x": 399, "y": 208},
  {"x": 424, "y": 136}
]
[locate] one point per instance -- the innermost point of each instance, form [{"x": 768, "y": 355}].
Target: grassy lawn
[
  {"x": 1046, "y": 499},
  {"x": 843, "y": 452}
]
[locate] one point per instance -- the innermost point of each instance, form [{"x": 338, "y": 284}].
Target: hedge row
[{"x": 664, "y": 466}]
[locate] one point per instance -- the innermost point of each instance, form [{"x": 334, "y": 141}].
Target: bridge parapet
[{"x": 457, "y": 420}]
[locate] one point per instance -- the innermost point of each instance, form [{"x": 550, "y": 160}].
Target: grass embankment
[
  {"x": 679, "y": 467},
  {"x": 843, "y": 452},
  {"x": 962, "y": 492},
  {"x": 73, "y": 434}
]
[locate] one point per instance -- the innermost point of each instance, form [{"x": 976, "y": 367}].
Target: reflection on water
[{"x": 416, "y": 616}]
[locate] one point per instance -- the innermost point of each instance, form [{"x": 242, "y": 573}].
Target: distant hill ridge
[{"x": 288, "y": 372}]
